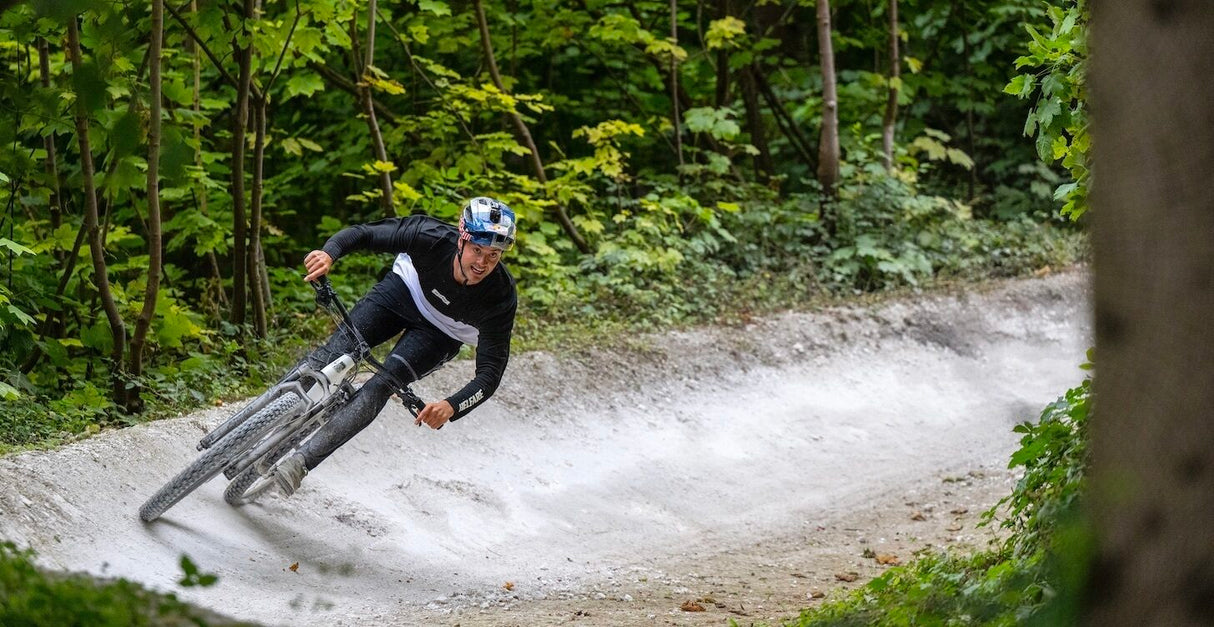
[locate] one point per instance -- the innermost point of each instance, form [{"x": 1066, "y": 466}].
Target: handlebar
[{"x": 327, "y": 297}]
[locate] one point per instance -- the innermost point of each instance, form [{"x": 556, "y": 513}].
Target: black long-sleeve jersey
[{"x": 481, "y": 315}]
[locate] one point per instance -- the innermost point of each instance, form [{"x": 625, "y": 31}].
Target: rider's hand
[
  {"x": 318, "y": 263},
  {"x": 435, "y": 414}
]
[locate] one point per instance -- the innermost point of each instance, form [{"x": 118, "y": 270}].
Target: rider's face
[{"x": 476, "y": 263}]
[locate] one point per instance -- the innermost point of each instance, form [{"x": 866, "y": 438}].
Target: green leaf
[
  {"x": 125, "y": 134},
  {"x": 90, "y": 87},
  {"x": 15, "y": 247},
  {"x": 175, "y": 155},
  {"x": 725, "y": 33},
  {"x": 434, "y": 6},
  {"x": 63, "y": 10},
  {"x": 8, "y": 392},
  {"x": 1020, "y": 86},
  {"x": 303, "y": 84},
  {"x": 22, "y": 318},
  {"x": 960, "y": 158}
]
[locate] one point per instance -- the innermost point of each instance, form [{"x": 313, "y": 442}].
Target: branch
[
  {"x": 201, "y": 44},
  {"x": 409, "y": 53},
  {"x": 521, "y": 128},
  {"x": 344, "y": 84},
  {"x": 285, "y": 45}
]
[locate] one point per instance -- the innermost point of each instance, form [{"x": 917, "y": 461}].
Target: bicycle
[{"x": 247, "y": 447}]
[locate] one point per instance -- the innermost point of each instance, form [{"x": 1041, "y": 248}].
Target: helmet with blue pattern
[{"x": 487, "y": 222}]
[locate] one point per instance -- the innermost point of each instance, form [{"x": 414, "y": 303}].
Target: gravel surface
[{"x": 745, "y": 471}]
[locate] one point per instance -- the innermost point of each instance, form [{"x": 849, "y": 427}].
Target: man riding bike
[{"x": 447, "y": 288}]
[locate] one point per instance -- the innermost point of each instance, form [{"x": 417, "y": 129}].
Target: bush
[{"x": 30, "y": 597}]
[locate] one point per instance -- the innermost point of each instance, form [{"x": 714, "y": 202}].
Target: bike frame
[{"x": 330, "y": 386}]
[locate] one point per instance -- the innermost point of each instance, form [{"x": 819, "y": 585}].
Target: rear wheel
[{"x": 220, "y": 455}]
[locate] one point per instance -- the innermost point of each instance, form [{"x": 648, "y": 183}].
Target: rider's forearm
[
  {"x": 388, "y": 235},
  {"x": 490, "y": 366}
]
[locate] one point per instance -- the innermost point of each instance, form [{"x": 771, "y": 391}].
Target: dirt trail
[{"x": 739, "y": 468}]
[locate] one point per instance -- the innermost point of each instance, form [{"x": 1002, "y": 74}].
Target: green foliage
[
  {"x": 192, "y": 577},
  {"x": 29, "y": 596},
  {"x": 967, "y": 198},
  {"x": 1031, "y": 578},
  {"x": 1059, "y": 116},
  {"x": 1054, "y": 455}
]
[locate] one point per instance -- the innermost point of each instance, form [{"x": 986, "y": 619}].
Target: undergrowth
[
  {"x": 1031, "y": 578},
  {"x": 31, "y": 597}
]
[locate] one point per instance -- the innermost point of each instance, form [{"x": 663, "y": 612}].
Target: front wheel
[
  {"x": 250, "y": 484},
  {"x": 220, "y": 455}
]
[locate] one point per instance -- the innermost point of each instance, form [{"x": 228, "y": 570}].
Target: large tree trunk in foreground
[{"x": 1152, "y": 490}]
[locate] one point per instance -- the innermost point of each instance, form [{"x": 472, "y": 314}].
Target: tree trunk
[
  {"x": 240, "y": 122},
  {"x": 674, "y": 85},
  {"x": 754, "y": 123},
  {"x": 256, "y": 290},
  {"x": 721, "y": 97},
  {"x": 895, "y": 85},
  {"x": 52, "y": 165},
  {"x": 368, "y": 105},
  {"x": 828, "y": 144},
  {"x": 524, "y": 135},
  {"x": 144, "y": 322},
  {"x": 200, "y": 194},
  {"x": 969, "y": 114},
  {"x": 1152, "y": 489},
  {"x": 783, "y": 120},
  {"x": 96, "y": 247}
]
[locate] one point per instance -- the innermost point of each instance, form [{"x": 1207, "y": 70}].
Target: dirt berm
[{"x": 742, "y": 470}]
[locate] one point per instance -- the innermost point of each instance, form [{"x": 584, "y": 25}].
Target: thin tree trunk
[
  {"x": 785, "y": 121},
  {"x": 52, "y": 165},
  {"x": 144, "y": 322},
  {"x": 200, "y": 194},
  {"x": 895, "y": 85},
  {"x": 969, "y": 114},
  {"x": 722, "y": 84},
  {"x": 674, "y": 84},
  {"x": 335, "y": 79},
  {"x": 828, "y": 143},
  {"x": 256, "y": 291},
  {"x": 96, "y": 247},
  {"x": 362, "y": 66},
  {"x": 1152, "y": 481},
  {"x": 754, "y": 123},
  {"x": 523, "y": 133},
  {"x": 240, "y": 122}
]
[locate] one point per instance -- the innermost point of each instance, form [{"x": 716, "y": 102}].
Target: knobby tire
[{"x": 212, "y": 461}]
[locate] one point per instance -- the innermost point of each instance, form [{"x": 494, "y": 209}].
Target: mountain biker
[{"x": 447, "y": 288}]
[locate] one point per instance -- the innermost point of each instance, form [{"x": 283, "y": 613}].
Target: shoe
[{"x": 289, "y": 473}]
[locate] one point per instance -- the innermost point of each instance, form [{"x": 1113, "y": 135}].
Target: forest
[{"x": 165, "y": 166}]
